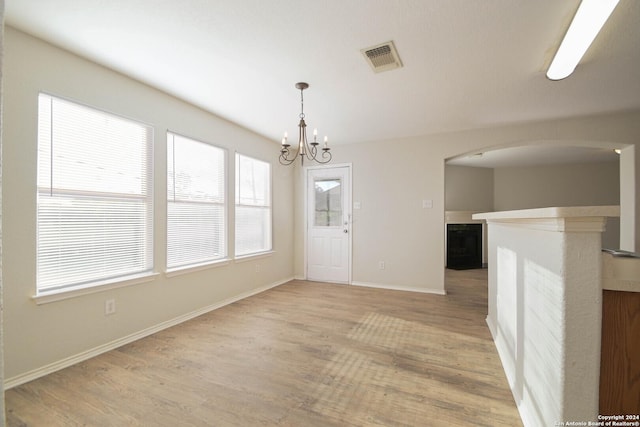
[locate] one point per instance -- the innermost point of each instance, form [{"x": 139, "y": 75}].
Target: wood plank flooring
[{"x": 302, "y": 354}]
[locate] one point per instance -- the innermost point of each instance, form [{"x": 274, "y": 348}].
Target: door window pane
[{"x": 328, "y": 202}]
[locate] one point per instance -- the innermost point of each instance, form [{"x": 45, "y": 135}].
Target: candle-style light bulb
[
  {"x": 315, "y": 132},
  {"x": 326, "y": 141}
]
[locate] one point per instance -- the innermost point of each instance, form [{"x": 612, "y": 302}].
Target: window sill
[
  {"x": 76, "y": 291},
  {"x": 245, "y": 258},
  {"x": 170, "y": 272}
]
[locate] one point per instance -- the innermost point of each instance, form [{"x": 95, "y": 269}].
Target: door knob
[{"x": 345, "y": 230}]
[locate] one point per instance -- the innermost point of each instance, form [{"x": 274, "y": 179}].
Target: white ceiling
[{"x": 467, "y": 63}]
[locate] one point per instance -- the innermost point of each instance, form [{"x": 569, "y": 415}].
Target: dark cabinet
[{"x": 464, "y": 246}]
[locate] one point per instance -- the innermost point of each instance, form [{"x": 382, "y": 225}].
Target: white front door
[{"x": 328, "y": 254}]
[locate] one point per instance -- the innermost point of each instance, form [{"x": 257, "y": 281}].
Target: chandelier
[{"x": 304, "y": 148}]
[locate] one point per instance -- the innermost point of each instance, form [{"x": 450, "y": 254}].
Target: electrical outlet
[
  {"x": 109, "y": 307},
  {"x": 257, "y": 268},
  {"x": 381, "y": 265}
]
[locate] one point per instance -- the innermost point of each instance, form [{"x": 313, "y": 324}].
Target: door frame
[{"x": 349, "y": 206}]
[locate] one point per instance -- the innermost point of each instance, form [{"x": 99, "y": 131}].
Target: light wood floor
[{"x": 302, "y": 354}]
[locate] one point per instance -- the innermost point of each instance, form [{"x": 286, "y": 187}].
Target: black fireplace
[{"x": 464, "y": 246}]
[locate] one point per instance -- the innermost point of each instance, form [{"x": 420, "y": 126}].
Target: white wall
[
  {"x": 391, "y": 178},
  {"x": 468, "y": 189},
  {"x": 2, "y": 415},
  {"x": 391, "y": 225},
  {"x": 41, "y": 336}
]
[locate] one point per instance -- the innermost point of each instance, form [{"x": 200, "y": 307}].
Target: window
[
  {"x": 94, "y": 217},
  {"x": 253, "y": 206},
  {"x": 196, "y": 230},
  {"x": 328, "y": 211}
]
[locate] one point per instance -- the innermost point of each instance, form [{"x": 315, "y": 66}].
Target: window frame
[
  {"x": 172, "y": 270},
  {"x": 143, "y": 274},
  {"x": 239, "y": 257}
]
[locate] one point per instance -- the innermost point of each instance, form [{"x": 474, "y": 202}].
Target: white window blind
[
  {"x": 94, "y": 218},
  {"x": 253, "y": 206},
  {"x": 196, "y": 226}
]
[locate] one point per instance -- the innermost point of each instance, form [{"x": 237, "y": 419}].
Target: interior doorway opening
[{"x": 533, "y": 175}]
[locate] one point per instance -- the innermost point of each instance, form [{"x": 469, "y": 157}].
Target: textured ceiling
[{"x": 467, "y": 63}]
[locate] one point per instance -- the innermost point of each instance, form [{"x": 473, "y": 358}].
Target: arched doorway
[{"x": 534, "y": 174}]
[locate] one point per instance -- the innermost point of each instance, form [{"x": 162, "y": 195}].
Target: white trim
[
  {"x": 400, "y": 288},
  {"x": 461, "y": 217},
  {"x": 76, "y": 291},
  {"x": 331, "y": 166},
  {"x": 236, "y": 189},
  {"x": 492, "y": 328},
  {"x": 565, "y": 225},
  {"x": 96, "y": 351},
  {"x": 176, "y": 271},
  {"x": 173, "y": 271},
  {"x": 305, "y": 225},
  {"x": 553, "y": 212},
  {"x": 580, "y": 219},
  {"x": 257, "y": 255}
]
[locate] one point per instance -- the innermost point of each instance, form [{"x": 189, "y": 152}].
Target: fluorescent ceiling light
[{"x": 586, "y": 24}]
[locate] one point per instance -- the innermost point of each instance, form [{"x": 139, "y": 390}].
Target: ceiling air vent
[{"x": 382, "y": 57}]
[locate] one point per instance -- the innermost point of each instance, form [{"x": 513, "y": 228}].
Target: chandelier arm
[
  {"x": 326, "y": 154},
  {"x": 284, "y": 161},
  {"x": 284, "y": 157},
  {"x": 312, "y": 152}
]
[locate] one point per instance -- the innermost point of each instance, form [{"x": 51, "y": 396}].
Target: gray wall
[
  {"x": 503, "y": 189},
  {"x": 591, "y": 184},
  {"x": 468, "y": 189}
]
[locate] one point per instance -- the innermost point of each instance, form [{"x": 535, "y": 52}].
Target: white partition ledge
[
  {"x": 545, "y": 308},
  {"x": 576, "y": 218}
]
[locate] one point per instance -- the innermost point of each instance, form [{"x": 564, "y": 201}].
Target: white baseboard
[
  {"x": 399, "y": 288},
  {"x": 88, "y": 354},
  {"x": 492, "y": 328}
]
